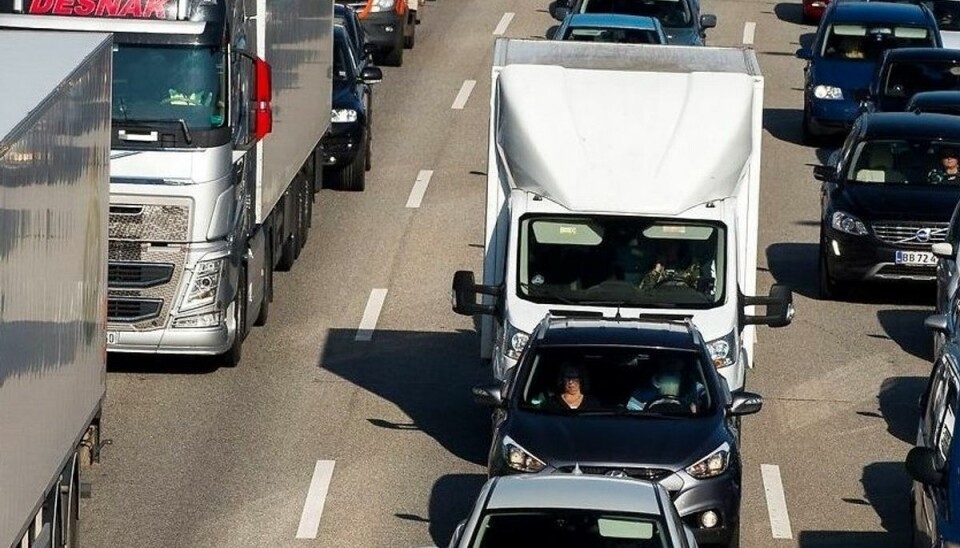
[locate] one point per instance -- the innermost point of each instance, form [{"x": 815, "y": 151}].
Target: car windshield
[
  {"x": 566, "y": 528},
  {"x": 169, "y": 83},
  {"x": 903, "y": 162},
  {"x": 671, "y": 13},
  {"x": 344, "y": 69},
  {"x": 856, "y": 42},
  {"x": 617, "y": 380},
  {"x": 619, "y": 36},
  {"x": 623, "y": 261},
  {"x": 909, "y": 77},
  {"x": 946, "y": 12}
]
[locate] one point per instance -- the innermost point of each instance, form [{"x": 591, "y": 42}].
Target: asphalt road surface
[{"x": 320, "y": 439}]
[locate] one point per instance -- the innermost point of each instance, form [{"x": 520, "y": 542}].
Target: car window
[
  {"x": 566, "y": 528},
  {"x": 344, "y": 66},
  {"x": 894, "y": 161},
  {"x": 905, "y": 78},
  {"x": 618, "y": 36},
  {"x": 946, "y": 12},
  {"x": 671, "y": 13},
  {"x": 630, "y": 380},
  {"x": 863, "y": 42}
]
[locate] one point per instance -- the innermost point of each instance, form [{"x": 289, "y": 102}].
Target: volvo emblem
[
  {"x": 923, "y": 235},
  {"x": 616, "y": 473}
]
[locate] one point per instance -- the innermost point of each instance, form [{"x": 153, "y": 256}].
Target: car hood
[
  {"x": 344, "y": 95},
  {"x": 846, "y": 75},
  {"x": 899, "y": 202},
  {"x": 561, "y": 440}
]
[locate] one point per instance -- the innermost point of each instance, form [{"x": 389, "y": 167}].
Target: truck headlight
[
  {"x": 712, "y": 465},
  {"x": 204, "y": 284},
  {"x": 514, "y": 341},
  {"x": 844, "y": 222},
  {"x": 343, "y": 115},
  {"x": 828, "y": 92},
  {"x": 382, "y": 5},
  {"x": 520, "y": 459},
  {"x": 724, "y": 351}
]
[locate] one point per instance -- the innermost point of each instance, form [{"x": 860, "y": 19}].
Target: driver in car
[
  {"x": 671, "y": 266},
  {"x": 666, "y": 390}
]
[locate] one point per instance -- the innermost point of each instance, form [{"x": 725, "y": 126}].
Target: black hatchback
[
  {"x": 626, "y": 398},
  {"x": 886, "y": 197}
]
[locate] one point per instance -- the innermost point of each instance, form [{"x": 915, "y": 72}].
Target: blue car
[
  {"x": 845, "y": 54},
  {"x": 611, "y": 28}
]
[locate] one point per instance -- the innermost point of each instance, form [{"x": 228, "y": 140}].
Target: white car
[{"x": 572, "y": 510}]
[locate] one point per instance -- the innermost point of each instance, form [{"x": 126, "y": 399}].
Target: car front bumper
[
  {"x": 384, "y": 30},
  {"x": 340, "y": 145},
  {"x": 831, "y": 117},
  {"x": 866, "y": 258}
]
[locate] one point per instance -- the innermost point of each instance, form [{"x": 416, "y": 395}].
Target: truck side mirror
[
  {"x": 944, "y": 250},
  {"x": 779, "y": 305},
  {"x": 921, "y": 464},
  {"x": 936, "y": 323},
  {"x": 708, "y": 21},
  {"x": 465, "y": 292}
]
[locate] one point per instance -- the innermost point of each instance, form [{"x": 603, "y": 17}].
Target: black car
[
  {"x": 652, "y": 407},
  {"x": 347, "y": 144},
  {"x": 937, "y": 102},
  {"x": 887, "y": 196},
  {"x": 347, "y": 17},
  {"x": 906, "y": 71}
]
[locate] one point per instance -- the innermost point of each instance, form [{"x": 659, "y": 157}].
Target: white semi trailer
[{"x": 54, "y": 200}]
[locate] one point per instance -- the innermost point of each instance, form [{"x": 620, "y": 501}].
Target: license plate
[
  {"x": 916, "y": 258},
  {"x": 112, "y": 337}
]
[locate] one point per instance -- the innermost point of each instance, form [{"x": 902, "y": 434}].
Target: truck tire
[
  {"x": 231, "y": 357},
  {"x": 267, "y": 286},
  {"x": 353, "y": 177},
  {"x": 290, "y": 249}
]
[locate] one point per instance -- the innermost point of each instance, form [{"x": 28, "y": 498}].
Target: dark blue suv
[{"x": 845, "y": 53}]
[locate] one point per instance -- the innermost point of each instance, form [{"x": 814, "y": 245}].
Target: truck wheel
[
  {"x": 410, "y": 41},
  {"x": 290, "y": 249},
  {"x": 353, "y": 177},
  {"x": 231, "y": 357},
  {"x": 829, "y": 287},
  {"x": 267, "y": 286}
]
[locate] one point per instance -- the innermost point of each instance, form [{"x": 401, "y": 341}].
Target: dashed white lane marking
[
  {"x": 419, "y": 188},
  {"x": 749, "y": 32},
  {"x": 316, "y": 496},
  {"x": 463, "y": 95},
  {"x": 371, "y": 314},
  {"x": 776, "y": 502},
  {"x": 504, "y": 23}
]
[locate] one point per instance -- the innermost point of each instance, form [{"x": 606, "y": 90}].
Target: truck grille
[
  {"x": 906, "y": 233},
  {"x": 150, "y": 222},
  {"x": 138, "y": 275},
  {"x": 132, "y": 310},
  {"x": 649, "y": 474}
]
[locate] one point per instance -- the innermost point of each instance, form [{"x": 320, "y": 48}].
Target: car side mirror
[
  {"x": 551, "y": 33},
  {"x": 944, "y": 250},
  {"x": 746, "y": 403},
  {"x": 489, "y": 395},
  {"x": 823, "y": 173},
  {"x": 369, "y": 48},
  {"x": 861, "y": 95},
  {"x": 779, "y": 303},
  {"x": 708, "y": 21},
  {"x": 921, "y": 464},
  {"x": 559, "y": 9},
  {"x": 936, "y": 323},
  {"x": 804, "y": 53},
  {"x": 371, "y": 75},
  {"x": 464, "y": 294}
]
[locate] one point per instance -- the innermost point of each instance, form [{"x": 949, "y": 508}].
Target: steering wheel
[{"x": 665, "y": 403}]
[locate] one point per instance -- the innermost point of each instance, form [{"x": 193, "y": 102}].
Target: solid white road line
[
  {"x": 464, "y": 94},
  {"x": 749, "y": 32},
  {"x": 316, "y": 496},
  {"x": 776, "y": 502},
  {"x": 371, "y": 314},
  {"x": 504, "y": 23},
  {"x": 419, "y": 188}
]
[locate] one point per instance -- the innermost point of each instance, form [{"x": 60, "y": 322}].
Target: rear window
[
  {"x": 671, "y": 13},
  {"x": 616, "y": 36}
]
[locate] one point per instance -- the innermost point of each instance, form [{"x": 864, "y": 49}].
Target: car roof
[
  {"x": 627, "y": 332},
  {"x": 570, "y": 491},
  {"x": 921, "y": 54},
  {"x": 936, "y": 98},
  {"x": 878, "y": 12},
  {"x": 613, "y": 21},
  {"x": 911, "y": 125}
]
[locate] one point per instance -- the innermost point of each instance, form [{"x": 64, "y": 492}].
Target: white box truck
[
  {"x": 54, "y": 198},
  {"x": 218, "y": 111},
  {"x": 622, "y": 179}
]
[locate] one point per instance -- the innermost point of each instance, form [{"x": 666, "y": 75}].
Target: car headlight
[
  {"x": 712, "y": 465},
  {"x": 724, "y": 351},
  {"x": 343, "y": 115},
  {"x": 382, "y": 5},
  {"x": 828, "y": 92},
  {"x": 518, "y": 458},
  {"x": 204, "y": 283},
  {"x": 844, "y": 222},
  {"x": 514, "y": 341}
]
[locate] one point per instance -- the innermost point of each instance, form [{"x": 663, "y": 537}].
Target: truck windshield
[
  {"x": 621, "y": 261},
  {"x": 168, "y": 84}
]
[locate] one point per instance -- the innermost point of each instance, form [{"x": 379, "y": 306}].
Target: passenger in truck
[
  {"x": 948, "y": 172},
  {"x": 192, "y": 87}
]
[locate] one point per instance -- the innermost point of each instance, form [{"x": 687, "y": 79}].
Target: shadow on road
[
  {"x": 795, "y": 264},
  {"x": 451, "y": 500},
  {"x": 905, "y": 327},
  {"x": 898, "y": 405},
  {"x": 886, "y": 488},
  {"x": 427, "y": 375},
  {"x": 162, "y": 365},
  {"x": 783, "y": 123}
]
